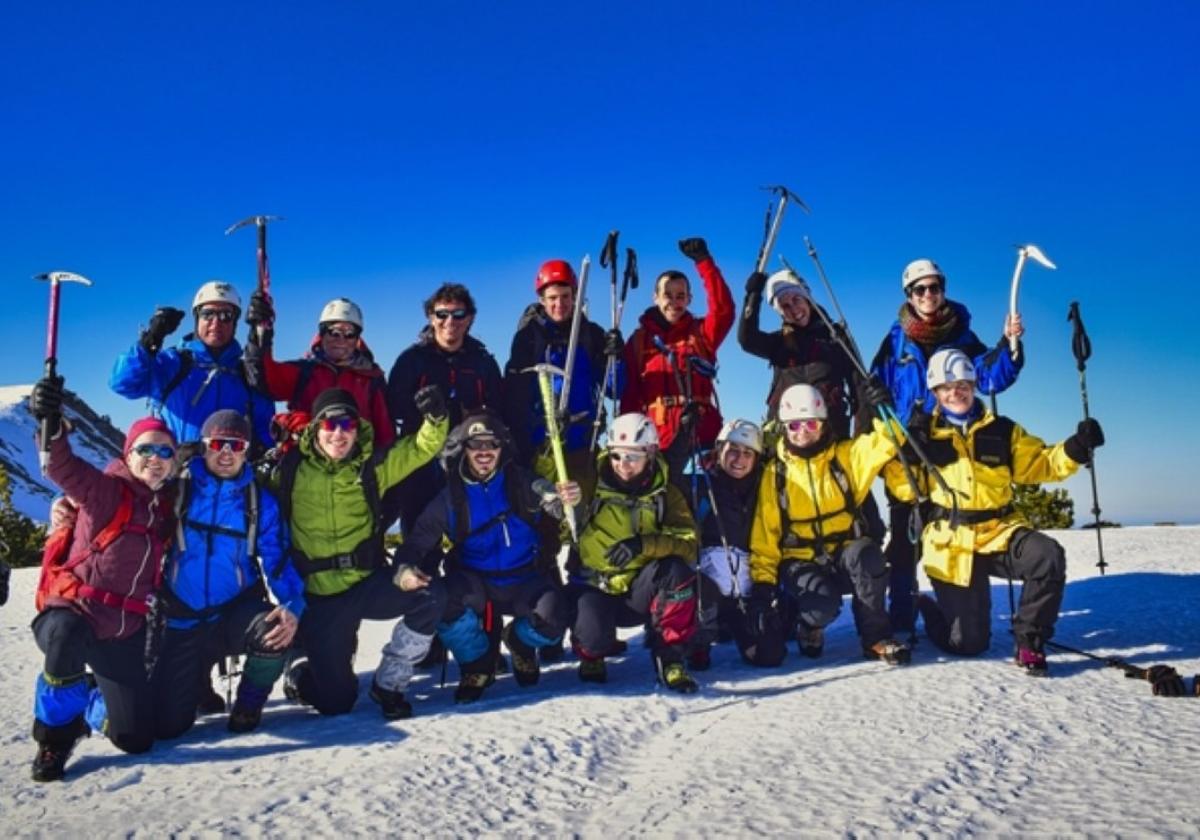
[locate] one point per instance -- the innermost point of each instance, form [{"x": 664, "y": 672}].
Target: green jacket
[
  {"x": 330, "y": 514},
  {"x": 660, "y": 516}
]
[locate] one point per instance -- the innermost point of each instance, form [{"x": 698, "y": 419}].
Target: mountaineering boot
[
  {"x": 675, "y": 677},
  {"x": 593, "y": 670},
  {"x": 55, "y": 744},
  {"x": 247, "y": 710},
  {"x": 1032, "y": 660},
  {"x": 890, "y": 651},
  {"x": 391, "y": 703},
  {"x": 292, "y": 679},
  {"x": 810, "y": 639},
  {"x": 524, "y": 658},
  {"x": 471, "y": 686}
]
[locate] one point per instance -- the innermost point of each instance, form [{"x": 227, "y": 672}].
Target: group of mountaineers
[{"x": 229, "y": 529}]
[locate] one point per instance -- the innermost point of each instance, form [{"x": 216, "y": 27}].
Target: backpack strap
[
  {"x": 186, "y": 362},
  {"x": 250, "y": 509},
  {"x": 288, "y": 468},
  {"x": 369, "y": 479},
  {"x": 305, "y": 376}
]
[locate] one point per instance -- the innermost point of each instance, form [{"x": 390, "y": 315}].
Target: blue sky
[{"x": 467, "y": 141}]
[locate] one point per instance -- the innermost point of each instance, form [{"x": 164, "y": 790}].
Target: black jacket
[{"x": 469, "y": 379}]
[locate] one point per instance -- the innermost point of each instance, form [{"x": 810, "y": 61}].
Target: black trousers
[
  {"x": 960, "y": 621},
  {"x": 902, "y": 564},
  {"x": 70, "y": 645},
  {"x": 814, "y": 590}
]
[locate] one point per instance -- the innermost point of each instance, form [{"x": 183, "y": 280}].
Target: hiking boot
[
  {"x": 890, "y": 651},
  {"x": 1032, "y": 661},
  {"x": 593, "y": 671},
  {"x": 550, "y": 654},
  {"x": 391, "y": 703},
  {"x": 50, "y": 762},
  {"x": 209, "y": 702},
  {"x": 810, "y": 639},
  {"x": 700, "y": 658},
  {"x": 291, "y": 682},
  {"x": 247, "y": 709},
  {"x": 471, "y": 685},
  {"x": 675, "y": 677},
  {"x": 524, "y": 658}
]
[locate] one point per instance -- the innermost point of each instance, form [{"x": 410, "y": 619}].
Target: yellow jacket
[
  {"x": 982, "y": 467},
  {"x": 660, "y": 516},
  {"x": 814, "y": 495}
]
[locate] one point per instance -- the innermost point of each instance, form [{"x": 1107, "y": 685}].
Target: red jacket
[
  {"x": 651, "y": 386},
  {"x": 130, "y": 567},
  {"x": 366, "y": 381}
]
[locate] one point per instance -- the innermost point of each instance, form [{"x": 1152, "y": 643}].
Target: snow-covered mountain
[{"x": 94, "y": 437}]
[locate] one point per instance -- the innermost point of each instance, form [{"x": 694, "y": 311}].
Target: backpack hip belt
[
  {"x": 366, "y": 556},
  {"x": 968, "y": 517}
]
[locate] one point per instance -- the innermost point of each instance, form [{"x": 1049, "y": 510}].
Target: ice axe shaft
[
  {"x": 544, "y": 372},
  {"x": 50, "y": 367},
  {"x": 264, "y": 270},
  {"x": 1024, "y": 252},
  {"x": 775, "y": 222},
  {"x": 573, "y": 339}
]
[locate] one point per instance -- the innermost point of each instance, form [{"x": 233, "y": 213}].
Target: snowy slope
[
  {"x": 838, "y": 747},
  {"x": 94, "y": 438}
]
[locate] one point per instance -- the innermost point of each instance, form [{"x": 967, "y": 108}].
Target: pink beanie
[{"x": 140, "y": 427}]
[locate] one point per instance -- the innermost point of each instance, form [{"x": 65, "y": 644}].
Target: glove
[
  {"x": 756, "y": 282},
  {"x": 876, "y": 394},
  {"x": 260, "y": 310},
  {"x": 430, "y": 402},
  {"x": 694, "y": 248},
  {"x": 1088, "y": 436},
  {"x": 47, "y": 398},
  {"x": 163, "y": 322},
  {"x": 4, "y": 575},
  {"x": 614, "y": 345},
  {"x": 761, "y": 615},
  {"x": 623, "y": 553},
  {"x": 688, "y": 418},
  {"x": 1165, "y": 681}
]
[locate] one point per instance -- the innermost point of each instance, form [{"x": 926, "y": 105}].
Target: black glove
[
  {"x": 1165, "y": 681},
  {"x": 622, "y": 554},
  {"x": 45, "y": 402},
  {"x": 688, "y": 418},
  {"x": 761, "y": 614},
  {"x": 4, "y": 574},
  {"x": 614, "y": 345},
  {"x": 430, "y": 402},
  {"x": 260, "y": 310},
  {"x": 1088, "y": 436},
  {"x": 694, "y": 248},
  {"x": 875, "y": 394},
  {"x": 163, "y": 322},
  {"x": 756, "y": 282}
]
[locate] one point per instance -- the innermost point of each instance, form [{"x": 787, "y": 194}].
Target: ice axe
[
  {"x": 544, "y": 372},
  {"x": 1081, "y": 347},
  {"x": 774, "y": 221},
  {"x": 264, "y": 271},
  {"x": 55, "y": 278},
  {"x": 1024, "y": 252}
]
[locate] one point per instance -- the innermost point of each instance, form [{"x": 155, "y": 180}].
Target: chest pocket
[{"x": 993, "y": 444}]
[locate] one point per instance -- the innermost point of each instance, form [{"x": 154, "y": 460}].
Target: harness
[
  {"x": 788, "y": 539},
  {"x": 693, "y": 345}
]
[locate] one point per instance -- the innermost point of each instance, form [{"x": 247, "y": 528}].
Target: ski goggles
[
  {"x": 224, "y": 316},
  {"x": 626, "y": 456},
  {"x": 163, "y": 451},
  {"x": 235, "y": 445},
  {"x": 810, "y": 424},
  {"x": 481, "y": 444},
  {"x": 456, "y": 314},
  {"x": 922, "y": 289},
  {"x": 344, "y": 423},
  {"x": 340, "y": 334}
]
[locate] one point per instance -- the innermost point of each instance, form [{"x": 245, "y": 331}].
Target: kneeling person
[{"x": 809, "y": 544}]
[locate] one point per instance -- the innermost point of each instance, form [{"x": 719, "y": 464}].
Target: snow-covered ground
[{"x": 841, "y": 746}]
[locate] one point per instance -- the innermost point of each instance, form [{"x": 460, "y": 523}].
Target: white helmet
[
  {"x": 216, "y": 291},
  {"x": 782, "y": 281},
  {"x": 917, "y": 269},
  {"x": 632, "y": 431},
  {"x": 802, "y": 402},
  {"x": 946, "y": 366},
  {"x": 743, "y": 433},
  {"x": 342, "y": 309}
]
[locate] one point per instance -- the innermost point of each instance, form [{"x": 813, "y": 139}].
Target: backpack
[
  {"x": 789, "y": 540},
  {"x": 183, "y": 497},
  {"x": 290, "y": 465}
]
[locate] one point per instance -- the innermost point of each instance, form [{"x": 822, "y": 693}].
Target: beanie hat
[
  {"x": 140, "y": 427},
  {"x": 334, "y": 402},
  {"x": 226, "y": 423}
]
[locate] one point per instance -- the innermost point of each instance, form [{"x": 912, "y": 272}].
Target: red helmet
[{"x": 555, "y": 273}]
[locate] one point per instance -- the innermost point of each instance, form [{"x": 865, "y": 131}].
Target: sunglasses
[
  {"x": 232, "y": 444},
  {"x": 628, "y": 457},
  {"x": 796, "y": 425},
  {"x": 456, "y": 314},
  {"x": 340, "y": 335},
  {"x": 344, "y": 423},
  {"x": 164, "y": 451},
  {"x": 482, "y": 444},
  {"x": 223, "y": 315},
  {"x": 927, "y": 289}
]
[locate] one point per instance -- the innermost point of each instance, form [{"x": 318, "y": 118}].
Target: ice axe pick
[
  {"x": 50, "y": 370},
  {"x": 1024, "y": 252}
]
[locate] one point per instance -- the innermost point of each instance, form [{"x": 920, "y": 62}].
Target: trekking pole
[
  {"x": 1159, "y": 675},
  {"x": 608, "y": 259},
  {"x": 1034, "y": 253},
  {"x": 50, "y": 367},
  {"x": 544, "y": 372},
  {"x": 1081, "y": 347},
  {"x": 264, "y": 271},
  {"x": 812, "y": 255},
  {"x": 774, "y": 221},
  {"x": 573, "y": 341}
]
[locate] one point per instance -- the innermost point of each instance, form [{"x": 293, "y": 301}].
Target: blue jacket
[
  {"x": 900, "y": 364},
  {"x": 209, "y": 385},
  {"x": 211, "y": 567}
]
